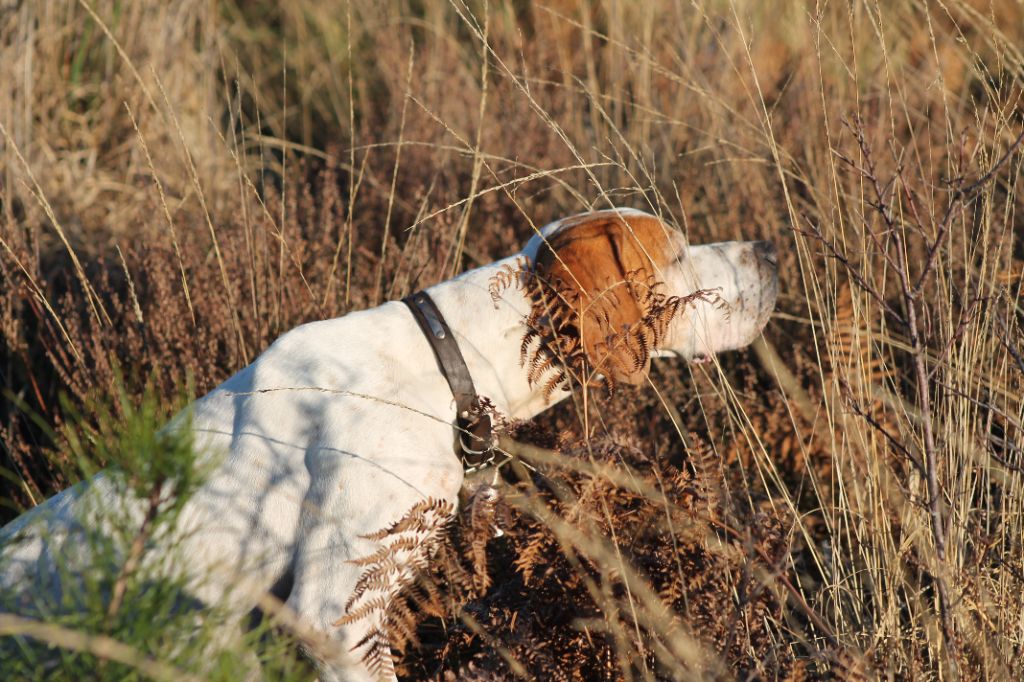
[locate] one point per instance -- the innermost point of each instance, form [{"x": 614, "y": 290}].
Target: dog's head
[{"x": 612, "y": 288}]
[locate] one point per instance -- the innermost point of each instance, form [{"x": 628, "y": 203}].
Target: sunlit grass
[{"x": 296, "y": 161}]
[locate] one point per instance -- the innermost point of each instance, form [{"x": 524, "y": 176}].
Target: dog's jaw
[{"x": 740, "y": 285}]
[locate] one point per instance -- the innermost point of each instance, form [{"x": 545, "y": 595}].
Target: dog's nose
[{"x": 766, "y": 251}]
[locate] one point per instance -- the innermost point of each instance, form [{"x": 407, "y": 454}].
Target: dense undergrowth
[{"x": 183, "y": 182}]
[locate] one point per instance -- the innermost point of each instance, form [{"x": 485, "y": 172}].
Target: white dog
[{"x": 343, "y": 425}]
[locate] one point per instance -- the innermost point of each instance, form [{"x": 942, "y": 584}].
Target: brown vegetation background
[{"x": 184, "y": 181}]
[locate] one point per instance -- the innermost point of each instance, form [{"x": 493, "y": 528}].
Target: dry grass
[{"x": 184, "y": 181}]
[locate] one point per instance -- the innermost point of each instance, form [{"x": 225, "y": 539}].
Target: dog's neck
[{"x": 490, "y": 332}]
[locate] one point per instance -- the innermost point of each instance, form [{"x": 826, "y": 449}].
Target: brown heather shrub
[
  {"x": 565, "y": 617},
  {"x": 771, "y": 516}
]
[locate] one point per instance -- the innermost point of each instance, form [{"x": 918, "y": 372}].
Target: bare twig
[
  {"x": 899, "y": 261},
  {"x": 100, "y": 646},
  {"x": 988, "y": 406},
  {"x": 135, "y": 552},
  {"x": 874, "y": 423},
  {"x": 853, "y": 271},
  {"x": 961, "y": 197},
  {"x": 965, "y": 319},
  {"x": 984, "y": 179},
  {"x": 1004, "y": 337},
  {"x": 992, "y": 438}
]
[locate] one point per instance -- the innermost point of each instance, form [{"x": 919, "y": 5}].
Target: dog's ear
[{"x": 602, "y": 265}]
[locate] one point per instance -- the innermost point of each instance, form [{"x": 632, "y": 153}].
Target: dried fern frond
[
  {"x": 419, "y": 519},
  {"x": 481, "y": 512},
  {"x": 403, "y": 555},
  {"x": 850, "y": 342},
  {"x": 553, "y": 352},
  {"x": 510, "y": 275}
]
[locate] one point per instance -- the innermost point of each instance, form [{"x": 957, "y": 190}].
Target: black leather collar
[{"x": 474, "y": 441}]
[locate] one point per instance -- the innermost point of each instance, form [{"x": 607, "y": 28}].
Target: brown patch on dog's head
[{"x": 597, "y": 291}]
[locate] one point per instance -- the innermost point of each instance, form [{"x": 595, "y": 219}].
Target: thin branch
[
  {"x": 918, "y": 351},
  {"x": 854, "y": 272},
  {"x": 1004, "y": 336},
  {"x": 965, "y": 319},
  {"x": 100, "y": 646},
  {"x": 961, "y": 197},
  {"x": 874, "y": 423},
  {"x": 136, "y": 551},
  {"x": 980, "y": 182}
]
